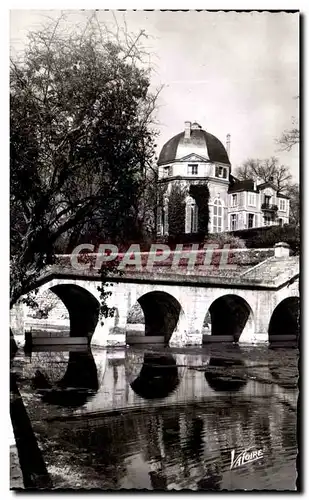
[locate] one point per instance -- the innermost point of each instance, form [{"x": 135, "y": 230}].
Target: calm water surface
[{"x": 163, "y": 418}]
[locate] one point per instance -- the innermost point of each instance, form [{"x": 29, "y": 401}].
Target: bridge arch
[
  {"x": 83, "y": 308},
  {"x": 159, "y": 312},
  {"x": 285, "y": 320},
  {"x": 228, "y": 318}
]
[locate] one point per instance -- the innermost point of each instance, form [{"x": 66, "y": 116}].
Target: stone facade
[
  {"x": 194, "y": 302},
  {"x": 197, "y": 157}
]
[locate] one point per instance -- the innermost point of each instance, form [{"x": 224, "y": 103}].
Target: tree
[
  {"x": 141, "y": 228},
  {"x": 81, "y": 141},
  {"x": 292, "y": 191},
  {"x": 176, "y": 210},
  {"x": 265, "y": 171},
  {"x": 289, "y": 138}
]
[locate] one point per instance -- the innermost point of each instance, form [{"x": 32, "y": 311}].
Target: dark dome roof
[{"x": 200, "y": 142}]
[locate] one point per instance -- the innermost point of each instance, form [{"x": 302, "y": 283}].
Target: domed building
[{"x": 195, "y": 157}]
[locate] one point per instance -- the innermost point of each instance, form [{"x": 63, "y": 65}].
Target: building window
[
  {"x": 194, "y": 218},
  {"x": 280, "y": 222},
  {"x": 267, "y": 220},
  {"x": 267, "y": 200},
  {"x": 170, "y": 171},
  {"x": 282, "y": 204},
  {"x": 192, "y": 169},
  {"x": 221, "y": 172},
  {"x": 218, "y": 216},
  {"x": 251, "y": 199},
  {"x": 234, "y": 200},
  {"x": 233, "y": 222},
  {"x": 191, "y": 223},
  {"x": 250, "y": 220}
]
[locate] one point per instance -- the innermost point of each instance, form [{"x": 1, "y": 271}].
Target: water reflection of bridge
[
  {"x": 113, "y": 380},
  {"x": 173, "y": 417}
]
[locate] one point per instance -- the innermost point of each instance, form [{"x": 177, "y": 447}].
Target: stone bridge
[{"x": 187, "y": 308}]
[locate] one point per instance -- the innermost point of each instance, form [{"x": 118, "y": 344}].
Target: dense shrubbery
[
  {"x": 225, "y": 239},
  {"x": 136, "y": 315},
  {"x": 176, "y": 211},
  {"x": 184, "y": 238},
  {"x": 267, "y": 237},
  {"x": 200, "y": 193}
]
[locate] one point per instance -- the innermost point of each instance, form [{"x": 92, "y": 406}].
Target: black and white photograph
[{"x": 155, "y": 243}]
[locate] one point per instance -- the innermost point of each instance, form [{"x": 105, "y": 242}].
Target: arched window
[
  {"x": 217, "y": 225},
  {"x": 191, "y": 216},
  {"x": 194, "y": 218}
]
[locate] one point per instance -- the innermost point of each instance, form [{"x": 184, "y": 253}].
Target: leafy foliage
[
  {"x": 222, "y": 239},
  {"x": 200, "y": 193},
  {"x": 176, "y": 210},
  {"x": 81, "y": 143},
  {"x": 105, "y": 289},
  {"x": 292, "y": 191},
  {"x": 267, "y": 237}
]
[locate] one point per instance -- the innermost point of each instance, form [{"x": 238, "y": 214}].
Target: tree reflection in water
[
  {"x": 77, "y": 386},
  {"x": 212, "y": 482},
  {"x": 227, "y": 374},
  {"x": 285, "y": 375},
  {"x": 158, "y": 377}
]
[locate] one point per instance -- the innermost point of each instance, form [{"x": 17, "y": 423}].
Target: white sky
[{"x": 232, "y": 72}]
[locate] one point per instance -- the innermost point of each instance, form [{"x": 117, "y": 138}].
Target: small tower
[{"x": 192, "y": 158}]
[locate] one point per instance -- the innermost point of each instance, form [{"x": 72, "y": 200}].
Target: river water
[{"x": 163, "y": 418}]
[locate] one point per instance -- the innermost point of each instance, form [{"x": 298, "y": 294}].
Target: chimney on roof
[
  {"x": 187, "y": 130},
  {"x": 228, "y": 144},
  {"x": 282, "y": 250}
]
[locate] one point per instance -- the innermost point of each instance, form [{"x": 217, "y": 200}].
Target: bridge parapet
[
  {"x": 196, "y": 261},
  {"x": 270, "y": 273}
]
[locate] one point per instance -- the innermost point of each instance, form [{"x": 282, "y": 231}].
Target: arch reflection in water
[
  {"x": 227, "y": 374},
  {"x": 76, "y": 387},
  {"x": 158, "y": 377}
]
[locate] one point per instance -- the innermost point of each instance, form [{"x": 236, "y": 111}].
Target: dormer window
[
  {"x": 192, "y": 169},
  {"x": 221, "y": 172}
]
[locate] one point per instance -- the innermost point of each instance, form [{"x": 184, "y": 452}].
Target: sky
[{"x": 235, "y": 73}]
